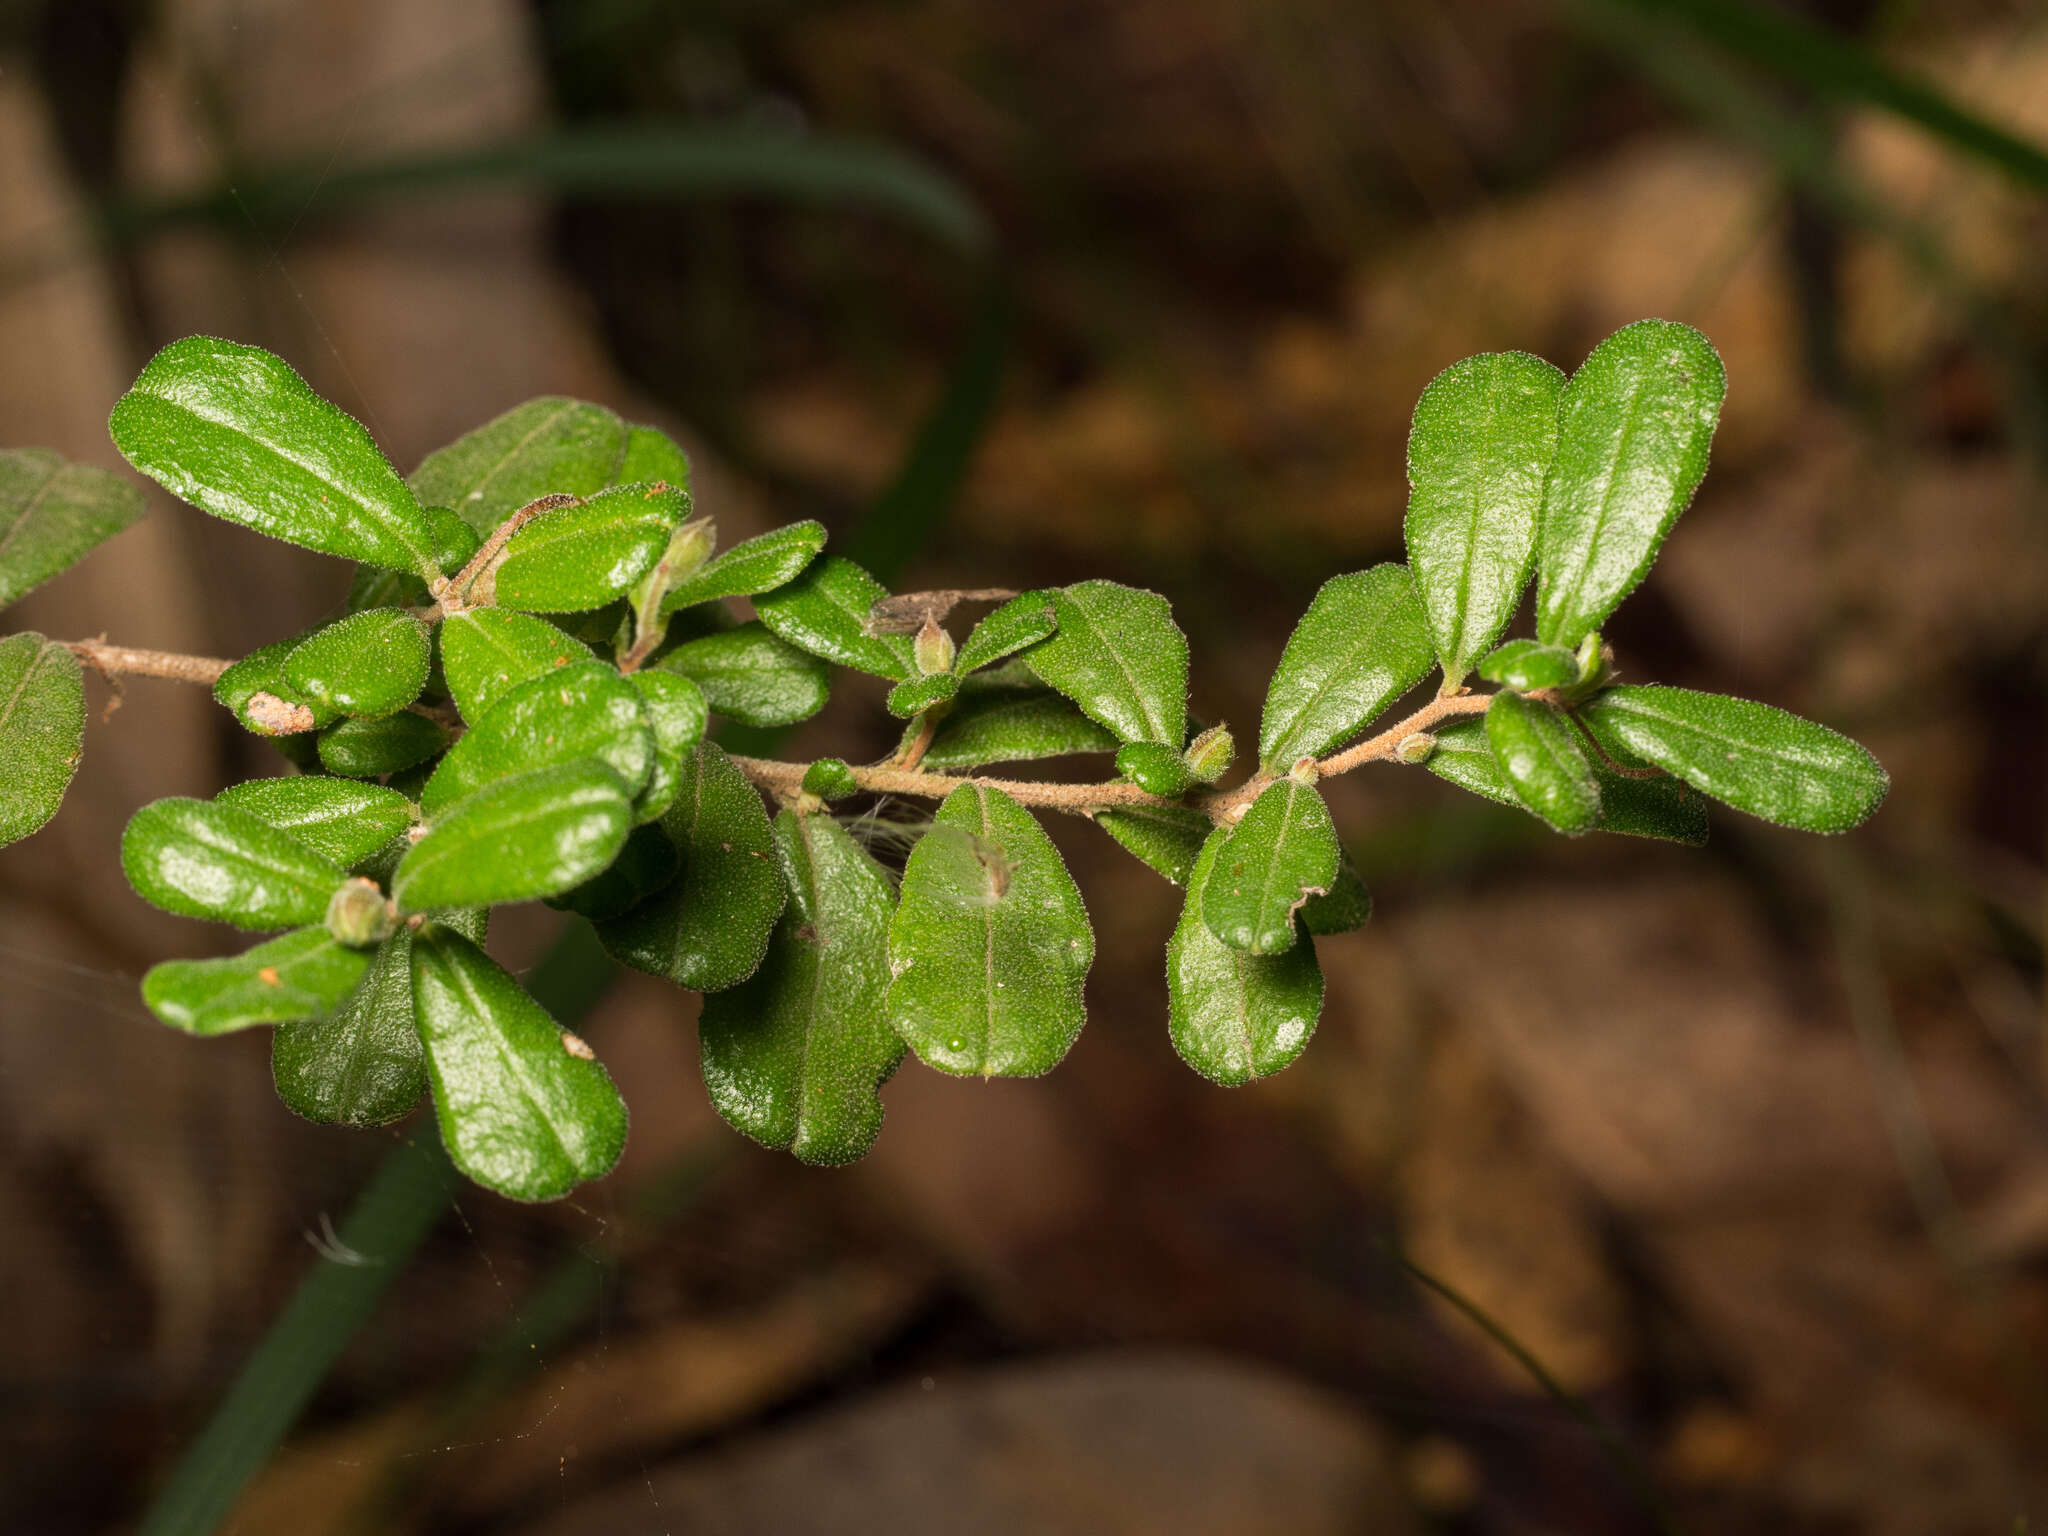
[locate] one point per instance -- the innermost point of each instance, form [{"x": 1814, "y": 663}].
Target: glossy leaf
[
  {"x": 1362, "y": 644},
  {"x": 795, "y": 1056},
  {"x": 1752, "y": 756},
  {"x": 254, "y": 690},
  {"x": 1539, "y": 755},
  {"x": 674, "y": 709},
  {"x": 302, "y": 975},
  {"x": 1344, "y": 908},
  {"x": 1025, "y": 619},
  {"x": 545, "y": 447},
  {"x": 1155, "y": 768},
  {"x": 752, "y": 676},
  {"x": 709, "y": 929},
  {"x": 1118, "y": 654},
  {"x": 1634, "y": 427},
  {"x": 367, "y": 664},
  {"x": 1462, "y": 756},
  {"x": 1661, "y": 808},
  {"x": 918, "y": 694},
  {"x": 651, "y": 454},
  {"x": 1012, "y": 725},
  {"x": 574, "y": 558},
  {"x": 990, "y": 944},
  {"x": 374, "y": 587},
  {"x": 362, "y": 1065},
  {"x": 1169, "y": 838},
  {"x": 42, "y": 731},
  {"x": 1236, "y": 1017},
  {"x": 53, "y": 514},
  {"x": 486, "y": 652},
  {"x": 825, "y": 611},
  {"x": 533, "y": 834},
  {"x": 1280, "y": 854},
  {"x": 343, "y": 819},
  {"x": 523, "y": 1107},
  {"x": 369, "y": 749},
  {"x": 233, "y": 430},
  {"x": 1483, "y": 436},
  {"x": 759, "y": 564},
  {"x": 203, "y": 859},
  {"x": 646, "y": 865},
  {"x": 1526, "y": 665},
  {"x": 585, "y": 712}
]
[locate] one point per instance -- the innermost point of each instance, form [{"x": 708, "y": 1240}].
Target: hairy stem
[
  {"x": 125, "y": 661},
  {"x": 453, "y": 594}
]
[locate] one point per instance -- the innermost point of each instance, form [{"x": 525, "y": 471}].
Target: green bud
[
  {"x": 933, "y": 648},
  {"x": 1306, "y": 770},
  {"x": 1209, "y": 754},
  {"x": 358, "y": 915},
  {"x": 829, "y": 778},
  {"x": 1415, "y": 748},
  {"x": 1593, "y": 657},
  {"x": 688, "y": 548}
]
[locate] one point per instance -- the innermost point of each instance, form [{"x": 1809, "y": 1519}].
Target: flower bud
[
  {"x": 1210, "y": 753},
  {"x": 358, "y": 914},
  {"x": 829, "y": 778},
  {"x": 933, "y": 648},
  {"x": 688, "y": 548}
]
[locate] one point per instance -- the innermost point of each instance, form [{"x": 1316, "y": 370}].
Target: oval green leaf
[
  {"x": 1752, "y": 756},
  {"x": 1362, "y": 644},
  {"x": 233, "y": 430},
  {"x": 301, "y": 975},
  {"x": 550, "y": 446},
  {"x": 1526, "y": 665},
  {"x": 1462, "y": 757},
  {"x": 343, "y": 819},
  {"x": 53, "y": 514},
  {"x": 1343, "y": 908},
  {"x": 369, "y": 749},
  {"x": 1282, "y": 852},
  {"x": 710, "y": 927},
  {"x": 796, "y": 1055},
  {"x": 750, "y": 675},
  {"x": 918, "y": 694},
  {"x": 533, "y": 834},
  {"x": 825, "y": 611},
  {"x": 1011, "y": 725},
  {"x": 990, "y": 945},
  {"x": 575, "y": 558},
  {"x": 674, "y": 709},
  {"x": 254, "y": 691},
  {"x": 651, "y": 454},
  {"x": 368, "y": 664},
  {"x": 1118, "y": 654},
  {"x": 1634, "y": 427},
  {"x": 760, "y": 564},
  {"x": 486, "y": 652},
  {"x": 1537, "y": 749},
  {"x": 1025, "y": 619},
  {"x": 202, "y": 859},
  {"x": 1168, "y": 838},
  {"x": 581, "y": 712},
  {"x": 1236, "y": 1017},
  {"x": 523, "y": 1107},
  {"x": 42, "y": 731},
  {"x": 1482, "y": 439},
  {"x": 646, "y": 865}
]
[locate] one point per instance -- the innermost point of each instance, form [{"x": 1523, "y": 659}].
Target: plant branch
[
  {"x": 1383, "y": 747},
  {"x": 125, "y": 661}
]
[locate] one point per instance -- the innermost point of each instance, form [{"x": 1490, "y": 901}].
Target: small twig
[
  {"x": 125, "y": 661},
  {"x": 452, "y": 593},
  {"x": 905, "y": 613},
  {"x": 1613, "y": 767},
  {"x": 927, "y": 729}
]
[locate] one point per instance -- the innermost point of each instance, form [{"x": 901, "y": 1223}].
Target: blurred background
[{"x": 1746, "y": 1149}]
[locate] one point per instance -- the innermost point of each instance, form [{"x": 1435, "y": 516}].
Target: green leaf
[
  {"x": 575, "y": 558},
  {"x": 1345, "y": 907},
  {"x": 368, "y": 664},
  {"x": 1154, "y": 767},
  {"x": 752, "y": 676},
  {"x": 1025, "y": 619},
  {"x": 302, "y": 975},
  {"x": 1119, "y": 655},
  {"x": 233, "y": 430},
  {"x": 1362, "y": 644},
  {"x": 1011, "y": 725},
  {"x": 1236, "y": 1017},
  {"x": 255, "y": 692},
  {"x": 1280, "y": 854},
  {"x": 369, "y": 749},
  {"x": 1752, "y": 756},
  {"x": 1634, "y": 427},
  {"x": 53, "y": 514},
  {"x": 486, "y": 652},
  {"x": 990, "y": 945},
  {"x": 1526, "y": 665},
  {"x": 533, "y": 834},
  {"x": 1539, "y": 755},
  {"x": 201, "y": 859},
  {"x": 825, "y": 611},
  {"x": 42, "y": 731},
  {"x": 795, "y": 1056},
  {"x": 343, "y": 819},
  {"x": 674, "y": 709},
  {"x": 374, "y": 587},
  {"x": 709, "y": 929},
  {"x": 1169, "y": 838},
  {"x": 1484, "y": 433},
  {"x": 584, "y": 712},
  {"x": 651, "y": 454},
  {"x": 362, "y": 1065},
  {"x": 646, "y": 865},
  {"x": 524, "y": 1109},
  {"x": 1463, "y": 757},
  {"x": 545, "y": 447},
  {"x": 830, "y": 778},
  {"x": 759, "y": 564},
  {"x": 918, "y": 694},
  {"x": 1661, "y": 808}
]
